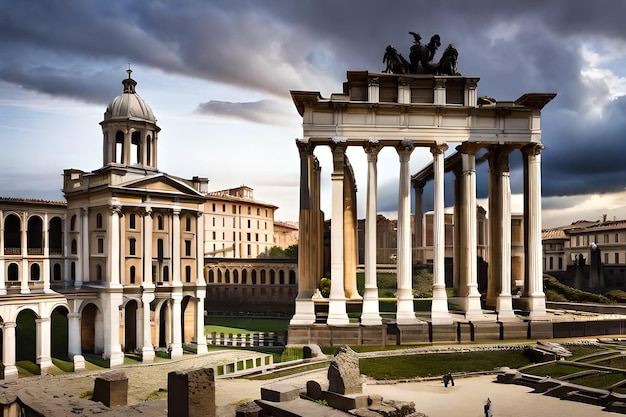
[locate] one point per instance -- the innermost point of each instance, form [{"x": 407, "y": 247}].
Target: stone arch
[
  {"x": 13, "y": 272},
  {"x": 91, "y": 330},
  {"x": 211, "y": 275},
  {"x": 272, "y": 277},
  {"x": 281, "y": 277},
  {"x": 219, "y": 275},
  {"x": 35, "y": 272},
  {"x": 26, "y": 335},
  {"x": 55, "y": 236},
  {"x": 235, "y": 276},
  {"x": 164, "y": 334},
  {"x": 254, "y": 277},
  {"x": 34, "y": 236},
  {"x": 59, "y": 333},
  {"x": 263, "y": 281},
  {"x": 56, "y": 271},
  {"x": 188, "y": 319},
  {"x": 244, "y": 276},
  {"x": 227, "y": 276},
  {"x": 129, "y": 343},
  {"x": 292, "y": 277},
  {"x": 12, "y": 234}
]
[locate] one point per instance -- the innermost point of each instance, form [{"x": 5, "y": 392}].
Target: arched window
[
  {"x": 55, "y": 236},
  {"x": 119, "y": 147},
  {"x": 98, "y": 221},
  {"x": 235, "y": 277},
  {"x": 56, "y": 272},
  {"x": 132, "y": 274},
  {"x": 34, "y": 236},
  {"x": 263, "y": 276},
  {"x": 34, "y": 272},
  {"x": 292, "y": 277},
  {"x": 281, "y": 277},
  {"x": 160, "y": 222},
  {"x": 219, "y": 276},
  {"x": 187, "y": 273},
  {"x": 13, "y": 272},
  {"x": 244, "y": 276},
  {"x": 227, "y": 276},
  {"x": 254, "y": 276},
  {"x": 73, "y": 223},
  {"x": 12, "y": 235},
  {"x": 272, "y": 277},
  {"x": 135, "y": 143},
  {"x": 211, "y": 275},
  {"x": 74, "y": 247}
]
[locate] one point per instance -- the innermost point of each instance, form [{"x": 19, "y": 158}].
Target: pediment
[{"x": 161, "y": 183}]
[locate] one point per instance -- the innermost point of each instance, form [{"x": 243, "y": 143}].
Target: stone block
[
  {"x": 191, "y": 393},
  {"x": 299, "y": 335},
  {"x": 486, "y": 331},
  {"x": 442, "y": 332},
  {"x": 320, "y": 334},
  {"x": 409, "y": 334},
  {"x": 514, "y": 330},
  {"x": 111, "y": 389},
  {"x": 280, "y": 392},
  {"x": 540, "y": 329},
  {"x": 314, "y": 390},
  {"x": 345, "y": 335},
  {"x": 374, "y": 335},
  {"x": 345, "y": 402}
]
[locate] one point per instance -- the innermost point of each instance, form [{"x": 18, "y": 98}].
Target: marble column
[
  {"x": 147, "y": 294},
  {"x": 350, "y": 245},
  {"x": 200, "y": 337},
  {"x": 533, "y": 282},
  {"x": 147, "y": 349},
  {"x": 307, "y": 250},
  {"x": 337, "y": 314},
  {"x": 370, "y": 315},
  {"x": 111, "y": 322},
  {"x": 467, "y": 227},
  {"x": 176, "y": 346},
  {"x": 43, "y": 331},
  {"x": 74, "y": 341},
  {"x": 439, "y": 309},
  {"x": 499, "y": 287},
  {"x": 114, "y": 247},
  {"x": 405, "y": 313},
  {"x": 8, "y": 351}
]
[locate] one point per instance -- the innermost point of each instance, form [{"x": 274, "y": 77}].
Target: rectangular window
[
  {"x": 256, "y": 237},
  {"x": 616, "y": 237},
  {"x": 234, "y": 222},
  {"x": 249, "y": 250},
  {"x": 234, "y": 209},
  {"x": 100, "y": 245},
  {"x": 187, "y": 247},
  {"x": 213, "y": 207},
  {"x": 616, "y": 258},
  {"x": 132, "y": 246},
  {"x": 131, "y": 221},
  {"x": 606, "y": 258},
  {"x": 224, "y": 208},
  {"x": 606, "y": 238},
  {"x": 214, "y": 235},
  {"x": 560, "y": 263},
  {"x": 249, "y": 224},
  {"x": 248, "y": 237}
]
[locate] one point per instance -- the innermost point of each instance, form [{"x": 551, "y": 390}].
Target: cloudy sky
[{"x": 217, "y": 74}]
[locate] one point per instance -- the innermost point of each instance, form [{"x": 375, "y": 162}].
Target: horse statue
[
  {"x": 423, "y": 54},
  {"x": 447, "y": 63},
  {"x": 396, "y": 63}
]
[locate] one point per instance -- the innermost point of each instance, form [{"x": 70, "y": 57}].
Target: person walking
[{"x": 488, "y": 409}]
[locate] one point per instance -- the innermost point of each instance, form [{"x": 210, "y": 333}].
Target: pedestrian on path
[
  {"x": 488, "y": 409},
  {"x": 447, "y": 379}
]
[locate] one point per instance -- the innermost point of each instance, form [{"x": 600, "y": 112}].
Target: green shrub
[{"x": 324, "y": 287}]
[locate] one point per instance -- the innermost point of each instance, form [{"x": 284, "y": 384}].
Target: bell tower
[{"x": 129, "y": 130}]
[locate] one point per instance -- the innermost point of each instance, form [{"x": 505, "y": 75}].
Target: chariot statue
[{"x": 421, "y": 58}]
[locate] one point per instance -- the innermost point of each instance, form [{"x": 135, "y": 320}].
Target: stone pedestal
[
  {"x": 111, "y": 389},
  {"x": 191, "y": 393}
]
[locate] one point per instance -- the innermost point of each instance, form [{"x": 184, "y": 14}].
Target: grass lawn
[{"x": 244, "y": 325}]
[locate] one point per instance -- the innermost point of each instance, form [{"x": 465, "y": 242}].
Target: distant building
[{"x": 285, "y": 234}]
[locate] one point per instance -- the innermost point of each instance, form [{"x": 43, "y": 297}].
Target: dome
[{"x": 129, "y": 105}]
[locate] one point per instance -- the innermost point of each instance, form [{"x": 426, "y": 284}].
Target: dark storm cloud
[
  {"x": 263, "y": 111},
  {"x": 273, "y": 46}
]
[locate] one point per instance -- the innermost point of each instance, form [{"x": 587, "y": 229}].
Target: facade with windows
[{"x": 119, "y": 266}]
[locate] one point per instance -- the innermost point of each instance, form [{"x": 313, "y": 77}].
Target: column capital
[
  {"x": 468, "y": 148},
  {"x": 499, "y": 159},
  {"x": 371, "y": 148},
  {"x": 374, "y": 81},
  {"x": 438, "y": 148},
  {"x": 405, "y": 148},
  {"x": 533, "y": 149},
  {"x": 147, "y": 212},
  {"x": 115, "y": 209},
  {"x": 84, "y": 211},
  {"x": 176, "y": 211},
  {"x": 199, "y": 213},
  {"x": 304, "y": 147}
]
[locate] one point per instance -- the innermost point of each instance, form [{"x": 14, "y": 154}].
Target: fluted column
[
  {"x": 500, "y": 233},
  {"x": 533, "y": 281},
  {"x": 43, "y": 331},
  {"x": 308, "y": 244},
  {"x": 439, "y": 309},
  {"x": 337, "y": 314},
  {"x": 468, "y": 234},
  {"x": 371, "y": 315},
  {"x": 8, "y": 350},
  {"x": 405, "y": 313}
]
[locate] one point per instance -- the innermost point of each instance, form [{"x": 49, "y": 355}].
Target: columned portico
[{"x": 408, "y": 112}]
